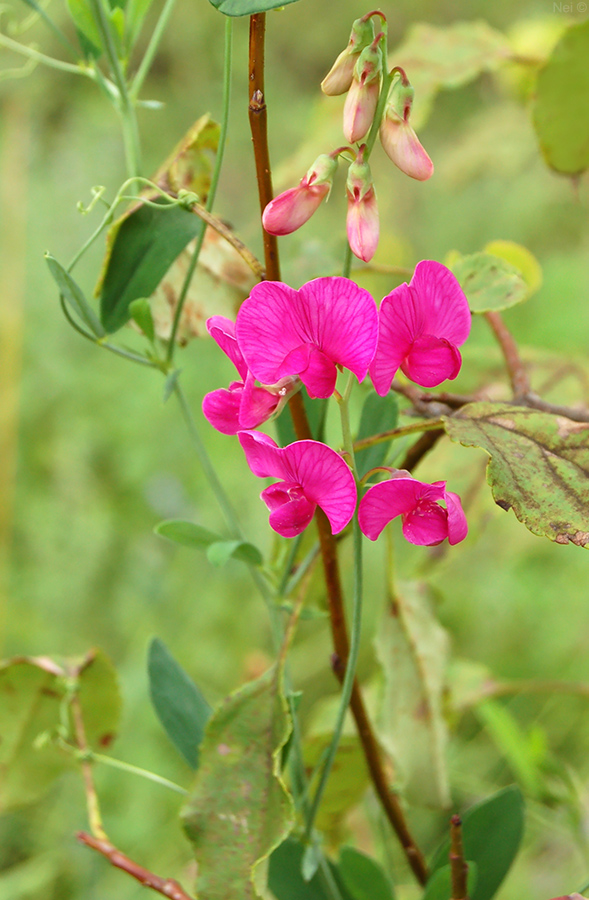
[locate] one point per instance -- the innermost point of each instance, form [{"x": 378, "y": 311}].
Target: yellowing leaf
[{"x": 520, "y": 257}]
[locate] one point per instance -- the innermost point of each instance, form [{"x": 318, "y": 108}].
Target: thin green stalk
[
  {"x": 213, "y": 187},
  {"x": 45, "y": 60},
  {"x": 329, "y": 882},
  {"x": 151, "y": 50},
  {"x": 348, "y": 681},
  {"x": 584, "y": 888},
  {"x": 401, "y": 431},
  {"x": 347, "y": 266},
  {"x": 345, "y": 420},
  {"x": 136, "y": 770},
  {"x": 288, "y": 564}
]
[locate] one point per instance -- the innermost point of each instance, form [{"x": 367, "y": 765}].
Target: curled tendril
[
  {"x": 19, "y": 71},
  {"x": 97, "y": 194}
]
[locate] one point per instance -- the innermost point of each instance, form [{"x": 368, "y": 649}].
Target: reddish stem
[
  {"x": 517, "y": 374},
  {"x": 458, "y": 866}
]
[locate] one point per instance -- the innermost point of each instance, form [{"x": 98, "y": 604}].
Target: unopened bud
[
  {"x": 294, "y": 207},
  {"x": 360, "y": 105},
  {"x": 339, "y": 78},
  {"x": 402, "y": 145},
  {"x": 362, "y": 222}
]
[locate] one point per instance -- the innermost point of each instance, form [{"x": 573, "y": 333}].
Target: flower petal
[
  {"x": 457, "y": 524},
  {"x": 445, "y": 308},
  {"x": 263, "y": 455},
  {"x": 221, "y": 410},
  {"x": 362, "y": 226},
  {"x": 257, "y": 404},
  {"x": 222, "y": 330},
  {"x": 426, "y": 525},
  {"x": 397, "y": 329},
  {"x": 293, "y": 208},
  {"x": 292, "y": 516},
  {"x": 431, "y": 360},
  {"x": 325, "y": 479},
  {"x": 388, "y": 499}
]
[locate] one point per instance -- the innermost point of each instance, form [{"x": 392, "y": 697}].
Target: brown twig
[
  {"x": 458, "y": 865},
  {"x": 327, "y": 542},
  {"x": 518, "y": 376},
  {"x": 420, "y": 448},
  {"x": 166, "y": 886}
]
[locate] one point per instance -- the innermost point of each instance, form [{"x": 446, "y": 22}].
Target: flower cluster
[
  {"x": 358, "y": 72},
  {"x": 285, "y": 338}
]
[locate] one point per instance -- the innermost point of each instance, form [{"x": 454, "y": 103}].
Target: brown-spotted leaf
[
  {"x": 189, "y": 165},
  {"x": 539, "y": 465},
  {"x": 413, "y": 648},
  {"x": 239, "y": 810}
]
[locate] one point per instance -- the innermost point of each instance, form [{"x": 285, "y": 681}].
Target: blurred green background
[{"x": 91, "y": 459}]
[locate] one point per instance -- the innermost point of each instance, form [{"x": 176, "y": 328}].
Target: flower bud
[
  {"x": 402, "y": 145},
  {"x": 362, "y": 219},
  {"x": 360, "y": 105},
  {"x": 339, "y": 78},
  {"x": 294, "y": 207}
]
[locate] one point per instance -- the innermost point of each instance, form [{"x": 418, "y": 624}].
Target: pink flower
[
  {"x": 362, "y": 222},
  {"x": 402, "y": 145},
  {"x": 339, "y": 77},
  {"x": 311, "y": 474},
  {"x": 329, "y": 322},
  {"x": 294, "y": 207},
  {"x": 425, "y": 522},
  {"x": 362, "y": 99},
  {"x": 244, "y": 405},
  {"x": 421, "y": 326}
]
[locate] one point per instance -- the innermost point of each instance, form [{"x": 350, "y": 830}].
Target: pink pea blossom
[
  {"x": 294, "y": 207},
  {"x": 425, "y": 522},
  {"x": 421, "y": 326},
  {"x": 362, "y": 221},
  {"x": 362, "y": 98},
  {"x": 311, "y": 474},
  {"x": 329, "y": 322},
  {"x": 402, "y": 145},
  {"x": 339, "y": 77},
  {"x": 243, "y": 405}
]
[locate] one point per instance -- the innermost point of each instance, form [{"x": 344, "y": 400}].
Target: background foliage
[{"x": 91, "y": 460}]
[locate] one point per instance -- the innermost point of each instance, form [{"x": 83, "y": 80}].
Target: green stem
[
  {"x": 136, "y": 770},
  {"x": 151, "y": 50},
  {"x": 348, "y": 682},
  {"x": 401, "y": 431},
  {"x": 213, "y": 187},
  {"x": 345, "y": 420},
  {"x": 17, "y": 47},
  {"x": 347, "y": 266},
  {"x": 125, "y": 106}
]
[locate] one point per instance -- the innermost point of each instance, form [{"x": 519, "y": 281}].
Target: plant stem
[
  {"x": 31, "y": 53},
  {"x": 166, "y": 886},
  {"x": 212, "y": 189},
  {"x": 135, "y": 770},
  {"x": 348, "y": 680},
  {"x": 458, "y": 865},
  {"x": 517, "y": 374},
  {"x": 420, "y": 448},
  {"x": 151, "y": 50},
  {"x": 94, "y": 817},
  {"x": 401, "y": 431}
]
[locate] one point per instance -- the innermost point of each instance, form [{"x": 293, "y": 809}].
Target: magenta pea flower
[
  {"x": 425, "y": 522},
  {"x": 329, "y": 322},
  {"x": 421, "y": 326},
  {"x": 243, "y": 405},
  {"x": 311, "y": 474}
]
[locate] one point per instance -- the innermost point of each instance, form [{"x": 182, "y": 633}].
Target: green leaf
[
  {"x": 220, "y": 552},
  {"x": 74, "y": 296},
  {"x": 363, "y": 877},
  {"x": 286, "y": 881},
  {"x": 513, "y": 744},
  {"x": 491, "y": 833},
  {"x": 81, "y": 13},
  {"x": 378, "y": 414},
  {"x": 412, "y": 648},
  {"x": 449, "y": 57},
  {"x": 315, "y": 409},
  {"x": 520, "y": 257},
  {"x": 248, "y": 7},
  {"x": 439, "y": 886},
  {"x": 347, "y": 782},
  {"x": 180, "y": 706},
  {"x": 32, "y": 690},
  {"x": 136, "y": 12},
  {"x": 141, "y": 314},
  {"x": 560, "y": 105},
  {"x": 145, "y": 245},
  {"x": 490, "y": 283},
  {"x": 187, "y": 533},
  {"x": 539, "y": 465},
  {"x": 239, "y": 809}
]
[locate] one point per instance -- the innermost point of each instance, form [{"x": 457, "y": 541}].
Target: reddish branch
[
  {"x": 327, "y": 542},
  {"x": 518, "y": 376},
  {"x": 458, "y": 866},
  {"x": 166, "y": 886}
]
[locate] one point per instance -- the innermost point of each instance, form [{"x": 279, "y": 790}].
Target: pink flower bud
[
  {"x": 360, "y": 105},
  {"x": 294, "y": 207},
  {"x": 339, "y": 78},
  {"x": 402, "y": 145},
  {"x": 362, "y": 219}
]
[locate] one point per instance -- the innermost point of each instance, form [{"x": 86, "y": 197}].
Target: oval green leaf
[
  {"x": 189, "y": 534},
  {"x": 491, "y": 832},
  {"x": 560, "y": 104},
  {"x": 179, "y": 705},
  {"x": 247, "y": 7},
  {"x": 286, "y": 881},
  {"x": 363, "y": 877},
  {"x": 490, "y": 283},
  {"x": 539, "y": 465},
  {"x": 74, "y": 296}
]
